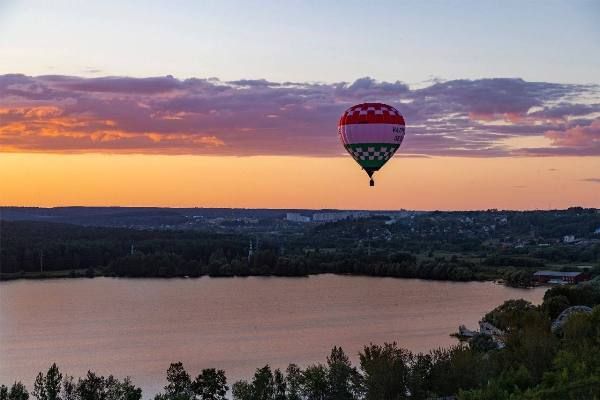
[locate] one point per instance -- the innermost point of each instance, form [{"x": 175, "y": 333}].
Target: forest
[
  {"x": 439, "y": 245},
  {"x": 536, "y": 362}
]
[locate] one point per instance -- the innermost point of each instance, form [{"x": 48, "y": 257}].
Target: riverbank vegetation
[
  {"x": 464, "y": 246},
  {"x": 535, "y": 362}
]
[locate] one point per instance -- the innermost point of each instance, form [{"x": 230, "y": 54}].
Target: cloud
[
  {"x": 592, "y": 180},
  {"x": 577, "y": 136},
  {"x": 165, "y": 115},
  {"x": 138, "y": 86}
]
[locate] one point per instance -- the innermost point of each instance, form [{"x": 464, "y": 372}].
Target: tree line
[{"x": 36, "y": 249}]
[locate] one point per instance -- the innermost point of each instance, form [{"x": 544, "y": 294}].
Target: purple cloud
[{"x": 166, "y": 115}]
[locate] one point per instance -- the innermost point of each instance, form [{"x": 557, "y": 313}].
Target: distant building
[
  {"x": 338, "y": 216},
  {"x": 359, "y": 214},
  {"x": 295, "y": 217},
  {"x": 568, "y": 239},
  {"x": 328, "y": 217},
  {"x": 558, "y": 277}
]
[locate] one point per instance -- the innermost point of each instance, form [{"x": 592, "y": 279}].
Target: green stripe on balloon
[
  {"x": 372, "y": 164},
  {"x": 372, "y": 156}
]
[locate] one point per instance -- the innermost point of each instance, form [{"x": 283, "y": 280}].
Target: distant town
[{"x": 517, "y": 248}]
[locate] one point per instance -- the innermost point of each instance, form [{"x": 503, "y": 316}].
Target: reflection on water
[{"x": 137, "y": 327}]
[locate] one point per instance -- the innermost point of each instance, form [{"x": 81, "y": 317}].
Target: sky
[{"x": 235, "y": 103}]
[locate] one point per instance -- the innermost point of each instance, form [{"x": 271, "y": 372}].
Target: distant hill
[
  {"x": 138, "y": 216},
  {"x": 129, "y": 216}
]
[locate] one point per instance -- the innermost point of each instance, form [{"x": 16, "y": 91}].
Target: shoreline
[{"x": 83, "y": 274}]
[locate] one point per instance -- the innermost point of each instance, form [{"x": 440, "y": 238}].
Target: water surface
[{"x": 137, "y": 327}]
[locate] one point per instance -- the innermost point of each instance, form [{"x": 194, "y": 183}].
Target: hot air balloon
[{"x": 371, "y": 133}]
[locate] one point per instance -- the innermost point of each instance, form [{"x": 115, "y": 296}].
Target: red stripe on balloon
[{"x": 371, "y": 113}]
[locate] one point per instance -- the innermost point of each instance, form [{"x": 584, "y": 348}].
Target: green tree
[
  {"x": 555, "y": 305},
  {"x": 341, "y": 375},
  {"x": 532, "y": 345},
  {"x": 3, "y": 392},
  {"x": 482, "y": 342},
  {"x": 419, "y": 378},
  {"x": 129, "y": 391},
  {"x": 280, "y": 385},
  {"x": 179, "y": 386},
  {"x": 508, "y": 386},
  {"x": 575, "y": 371},
  {"x": 519, "y": 278},
  {"x": 52, "y": 383},
  {"x": 458, "y": 367},
  {"x": 114, "y": 389},
  {"x": 386, "y": 371},
  {"x": 91, "y": 387},
  {"x": 510, "y": 314},
  {"x": 68, "y": 388},
  {"x": 18, "y": 392},
  {"x": 39, "y": 387},
  {"x": 293, "y": 380},
  {"x": 263, "y": 384},
  {"x": 314, "y": 382},
  {"x": 242, "y": 390},
  {"x": 211, "y": 384}
]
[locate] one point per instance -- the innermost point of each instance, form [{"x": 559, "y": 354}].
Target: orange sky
[
  {"x": 161, "y": 141},
  {"x": 37, "y": 179}
]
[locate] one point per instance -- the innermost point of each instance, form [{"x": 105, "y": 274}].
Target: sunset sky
[{"x": 235, "y": 103}]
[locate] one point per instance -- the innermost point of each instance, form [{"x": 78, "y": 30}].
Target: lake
[{"x": 137, "y": 327}]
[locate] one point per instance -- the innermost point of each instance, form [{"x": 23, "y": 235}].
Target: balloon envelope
[{"x": 371, "y": 133}]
